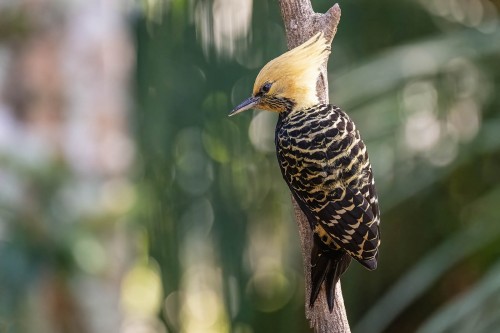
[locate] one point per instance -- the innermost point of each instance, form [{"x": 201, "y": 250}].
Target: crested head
[
  {"x": 289, "y": 81},
  {"x": 293, "y": 75}
]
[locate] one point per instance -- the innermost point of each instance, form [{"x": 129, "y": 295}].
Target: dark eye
[{"x": 266, "y": 87}]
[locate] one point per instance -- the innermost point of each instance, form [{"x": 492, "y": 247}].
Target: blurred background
[{"x": 130, "y": 202}]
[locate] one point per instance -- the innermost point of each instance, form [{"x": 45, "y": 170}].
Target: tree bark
[{"x": 301, "y": 22}]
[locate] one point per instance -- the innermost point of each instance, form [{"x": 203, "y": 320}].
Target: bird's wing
[
  {"x": 335, "y": 191},
  {"x": 347, "y": 216}
]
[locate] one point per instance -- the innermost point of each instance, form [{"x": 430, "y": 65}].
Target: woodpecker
[{"x": 324, "y": 162}]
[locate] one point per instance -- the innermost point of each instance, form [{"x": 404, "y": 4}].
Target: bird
[{"x": 324, "y": 162}]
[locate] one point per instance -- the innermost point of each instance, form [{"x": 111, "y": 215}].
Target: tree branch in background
[{"x": 301, "y": 22}]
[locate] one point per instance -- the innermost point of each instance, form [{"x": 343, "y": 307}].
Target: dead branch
[{"x": 301, "y": 22}]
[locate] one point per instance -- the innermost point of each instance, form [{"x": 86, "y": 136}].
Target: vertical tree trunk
[{"x": 301, "y": 22}]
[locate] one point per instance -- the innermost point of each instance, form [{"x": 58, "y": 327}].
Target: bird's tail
[{"x": 326, "y": 265}]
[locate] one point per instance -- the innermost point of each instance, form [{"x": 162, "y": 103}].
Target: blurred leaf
[
  {"x": 476, "y": 311},
  {"x": 483, "y": 230}
]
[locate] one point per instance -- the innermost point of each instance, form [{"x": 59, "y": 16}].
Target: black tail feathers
[{"x": 326, "y": 265}]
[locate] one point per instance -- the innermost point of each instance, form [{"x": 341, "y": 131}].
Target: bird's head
[{"x": 288, "y": 82}]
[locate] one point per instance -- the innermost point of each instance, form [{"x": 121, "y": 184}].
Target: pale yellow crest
[{"x": 294, "y": 74}]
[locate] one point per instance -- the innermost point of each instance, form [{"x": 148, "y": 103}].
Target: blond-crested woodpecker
[{"x": 324, "y": 162}]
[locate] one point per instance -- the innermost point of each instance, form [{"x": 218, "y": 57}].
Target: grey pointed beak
[{"x": 247, "y": 104}]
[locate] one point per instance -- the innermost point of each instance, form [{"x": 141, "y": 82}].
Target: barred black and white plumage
[
  {"x": 326, "y": 166},
  {"x": 324, "y": 163}
]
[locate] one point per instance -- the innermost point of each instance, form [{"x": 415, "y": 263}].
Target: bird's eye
[{"x": 266, "y": 87}]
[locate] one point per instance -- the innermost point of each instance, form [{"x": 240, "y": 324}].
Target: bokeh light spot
[
  {"x": 270, "y": 290},
  {"x": 465, "y": 118},
  {"x": 422, "y": 131},
  {"x": 89, "y": 255},
  {"x": 143, "y": 325},
  {"x": 199, "y": 216},
  {"x": 418, "y": 96},
  {"x": 118, "y": 195},
  {"x": 142, "y": 290},
  {"x": 261, "y": 131}
]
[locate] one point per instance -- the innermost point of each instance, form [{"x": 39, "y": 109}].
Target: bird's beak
[{"x": 248, "y": 103}]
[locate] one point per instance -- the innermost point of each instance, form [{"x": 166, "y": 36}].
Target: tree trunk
[{"x": 301, "y": 22}]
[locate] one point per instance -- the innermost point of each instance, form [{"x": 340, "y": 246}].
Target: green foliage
[
  {"x": 419, "y": 84},
  {"x": 212, "y": 217},
  {"x": 419, "y": 81}
]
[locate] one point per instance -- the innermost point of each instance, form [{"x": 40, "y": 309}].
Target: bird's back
[{"x": 325, "y": 164}]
